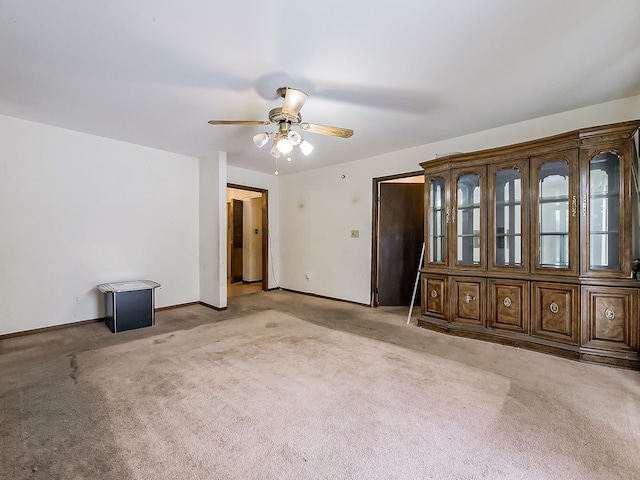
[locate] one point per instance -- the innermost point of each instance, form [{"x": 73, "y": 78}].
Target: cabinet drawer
[
  {"x": 508, "y": 307},
  {"x": 610, "y": 318},
  {"x": 467, "y": 301},
  {"x": 555, "y": 309},
  {"x": 433, "y": 294}
]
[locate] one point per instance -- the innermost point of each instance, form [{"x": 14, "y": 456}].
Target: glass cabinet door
[
  {"x": 508, "y": 194},
  {"x": 553, "y": 204},
  {"x": 467, "y": 218},
  {"x": 604, "y": 238},
  {"x": 555, "y": 213},
  {"x": 436, "y": 219}
]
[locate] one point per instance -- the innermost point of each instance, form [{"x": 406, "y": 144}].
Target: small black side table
[{"x": 129, "y": 305}]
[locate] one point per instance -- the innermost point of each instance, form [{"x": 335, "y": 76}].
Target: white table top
[{"x": 127, "y": 286}]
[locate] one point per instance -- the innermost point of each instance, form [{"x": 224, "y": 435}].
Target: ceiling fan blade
[
  {"x": 238, "y": 122},
  {"x": 325, "y": 130},
  {"x": 293, "y": 101}
]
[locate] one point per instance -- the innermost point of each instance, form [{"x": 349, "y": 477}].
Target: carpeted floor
[{"x": 286, "y": 386}]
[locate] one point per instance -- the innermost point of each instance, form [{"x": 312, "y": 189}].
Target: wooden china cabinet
[{"x": 531, "y": 245}]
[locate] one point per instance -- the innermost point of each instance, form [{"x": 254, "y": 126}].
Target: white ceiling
[{"x": 400, "y": 74}]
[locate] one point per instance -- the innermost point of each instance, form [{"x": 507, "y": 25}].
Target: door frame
[
  {"x": 236, "y": 262},
  {"x": 375, "y": 229},
  {"x": 265, "y": 229}
]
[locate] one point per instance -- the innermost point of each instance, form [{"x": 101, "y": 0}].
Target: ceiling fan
[{"x": 286, "y": 117}]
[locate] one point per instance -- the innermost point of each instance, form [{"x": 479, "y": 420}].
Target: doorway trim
[
  {"x": 265, "y": 229},
  {"x": 375, "y": 228}
]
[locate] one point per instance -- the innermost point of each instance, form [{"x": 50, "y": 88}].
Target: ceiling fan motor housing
[{"x": 277, "y": 116}]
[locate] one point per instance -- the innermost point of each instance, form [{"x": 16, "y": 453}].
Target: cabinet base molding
[
  {"x": 571, "y": 352},
  {"x": 627, "y": 361}
]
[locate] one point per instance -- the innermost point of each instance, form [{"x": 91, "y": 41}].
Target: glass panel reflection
[
  {"x": 508, "y": 220},
  {"x": 604, "y": 211},
  {"x": 436, "y": 220},
  {"x": 468, "y": 219},
  {"x": 554, "y": 250},
  {"x": 554, "y": 218}
]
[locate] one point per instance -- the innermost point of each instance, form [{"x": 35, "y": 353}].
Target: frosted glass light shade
[
  {"x": 274, "y": 151},
  {"x": 294, "y": 137},
  {"x": 306, "y": 147},
  {"x": 293, "y": 101},
  {"x": 284, "y": 145},
  {"x": 261, "y": 139}
]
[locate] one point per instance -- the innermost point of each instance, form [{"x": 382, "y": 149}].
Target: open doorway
[
  {"x": 398, "y": 234},
  {"x": 247, "y": 240}
]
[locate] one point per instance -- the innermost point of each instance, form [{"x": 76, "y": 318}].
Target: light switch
[{"x": 355, "y": 233}]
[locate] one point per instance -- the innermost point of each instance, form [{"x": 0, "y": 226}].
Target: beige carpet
[{"x": 269, "y": 396}]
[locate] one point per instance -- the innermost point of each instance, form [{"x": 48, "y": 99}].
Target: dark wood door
[
  {"x": 508, "y": 305},
  {"x": 236, "y": 241},
  {"x": 555, "y": 310},
  {"x": 434, "y": 295},
  {"x": 400, "y": 240},
  {"x": 468, "y": 301},
  {"x": 607, "y": 318}
]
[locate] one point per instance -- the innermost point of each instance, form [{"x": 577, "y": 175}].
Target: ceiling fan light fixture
[
  {"x": 294, "y": 137},
  {"x": 293, "y": 101},
  {"x": 284, "y": 139},
  {"x": 261, "y": 139},
  {"x": 306, "y": 147},
  {"x": 284, "y": 145},
  {"x": 274, "y": 151}
]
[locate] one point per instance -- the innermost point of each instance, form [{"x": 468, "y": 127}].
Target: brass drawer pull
[
  {"x": 609, "y": 314},
  {"x": 434, "y": 294},
  {"x": 506, "y": 302},
  {"x": 554, "y": 307},
  {"x": 468, "y": 298}
]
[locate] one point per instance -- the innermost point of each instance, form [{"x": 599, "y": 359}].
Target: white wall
[
  {"x": 319, "y": 208},
  {"x": 271, "y": 183},
  {"x": 318, "y": 211},
  {"x": 213, "y": 230},
  {"x": 78, "y": 210}
]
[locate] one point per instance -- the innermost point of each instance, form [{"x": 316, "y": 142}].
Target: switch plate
[{"x": 355, "y": 233}]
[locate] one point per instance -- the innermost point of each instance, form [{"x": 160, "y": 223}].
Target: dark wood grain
[
  {"x": 577, "y": 311},
  {"x": 555, "y": 311},
  {"x": 467, "y": 301},
  {"x": 610, "y": 318},
  {"x": 508, "y": 307},
  {"x": 434, "y": 295}
]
